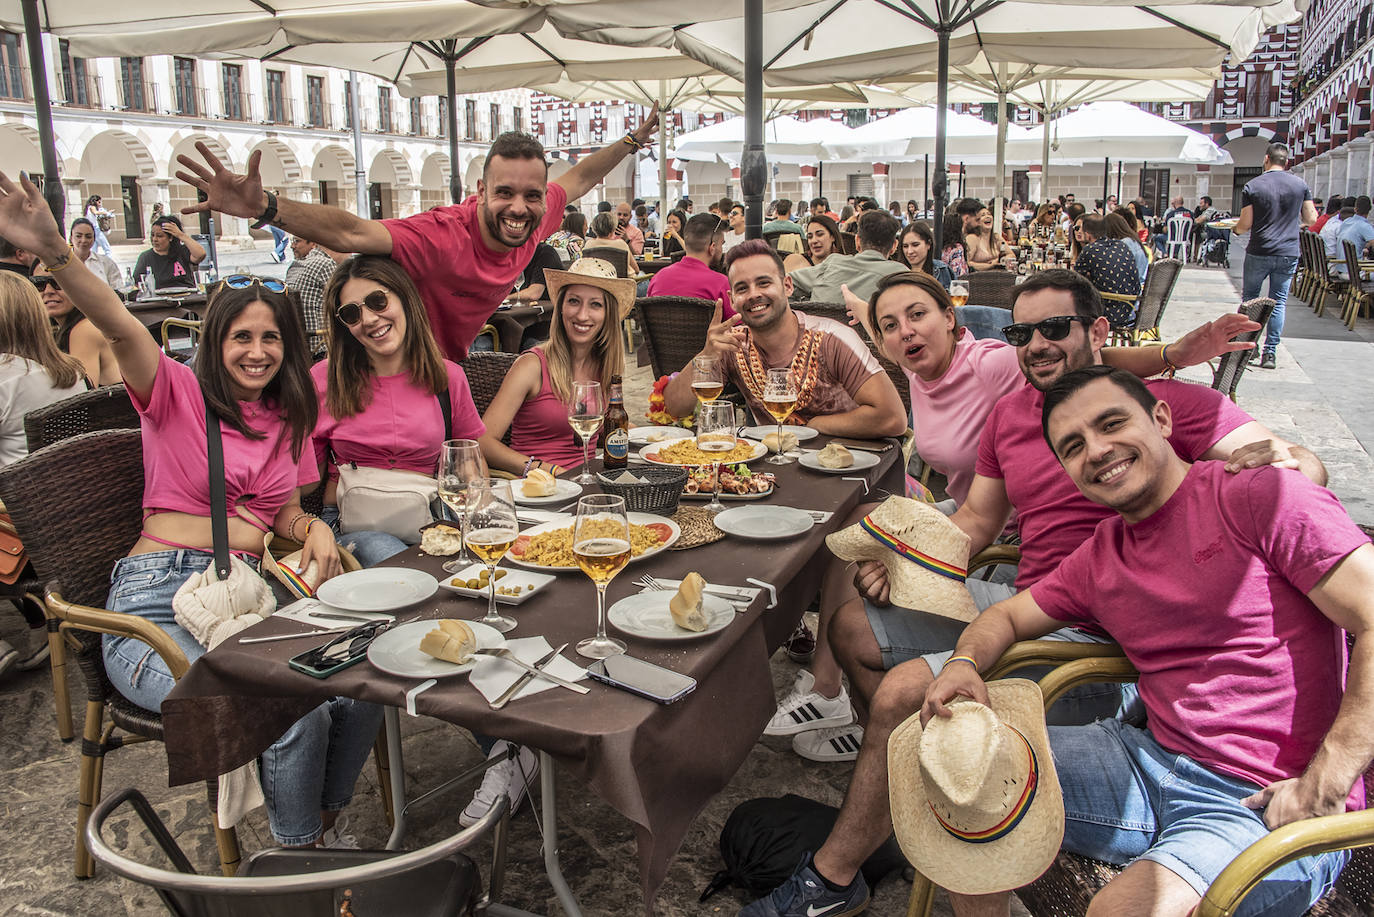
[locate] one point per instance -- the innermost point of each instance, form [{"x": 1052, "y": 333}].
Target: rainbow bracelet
[{"x": 969, "y": 659}]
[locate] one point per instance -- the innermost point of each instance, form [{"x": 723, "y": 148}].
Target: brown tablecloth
[
  {"x": 656, "y": 765},
  {"x": 152, "y": 312}
]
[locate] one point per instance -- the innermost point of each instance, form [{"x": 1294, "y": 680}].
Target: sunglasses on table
[
  {"x": 350, "y": 645},
  {"x": 350, "y": 313},
  {"x": 1051, "y": 329},
  {"x": 42, "y": 283}
]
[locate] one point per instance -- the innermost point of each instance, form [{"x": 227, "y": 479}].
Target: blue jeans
[
  {"x": 1278, "y": 270},
  {"x": 369, "y": 548},
  {"x": 1126, "y": 798},
  {"x": 279, "y": 242},
  {"x": 311, "y": 768}
]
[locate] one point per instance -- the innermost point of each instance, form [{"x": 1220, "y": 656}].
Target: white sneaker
[
  {"x": 336, "y": 839},
  {"x": 805, "y": 709},
  {"x": 511, "y": 777},
  {"x": 840, "y": 743},
  {"x": 8, "y": 657}
]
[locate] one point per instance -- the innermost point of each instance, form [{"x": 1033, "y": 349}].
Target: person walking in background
[
  {"x": 101, "y": 219},
  {"x": 1275, "y": 205}
]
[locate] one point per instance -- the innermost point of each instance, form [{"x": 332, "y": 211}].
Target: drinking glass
[
  {"x": 460, "y": 463},
  {"x": 601, "y": 544},
  {"x": 491, "y": 530},
  {"x": 584, "y": 413},
  {"x": 708, "y": 379},
  {"x": 958, "y": 292},
  {"x": 716, "y": 433},
  {"x": 779, "y": 399}
]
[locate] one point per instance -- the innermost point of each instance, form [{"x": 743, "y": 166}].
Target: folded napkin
[
  {"x": 492, "y": 675},
  {"x": 318, "y": 614}
]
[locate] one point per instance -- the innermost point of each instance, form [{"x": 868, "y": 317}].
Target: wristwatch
[{"x": 270, "y": 213}]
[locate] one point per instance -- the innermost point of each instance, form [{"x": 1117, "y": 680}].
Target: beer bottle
[{"x": 616, "y": 429}]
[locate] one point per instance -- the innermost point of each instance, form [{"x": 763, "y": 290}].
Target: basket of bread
[{"x": 653, "y": 489}]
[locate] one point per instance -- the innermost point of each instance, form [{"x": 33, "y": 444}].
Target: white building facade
[{"x": 1332, "y": 125}]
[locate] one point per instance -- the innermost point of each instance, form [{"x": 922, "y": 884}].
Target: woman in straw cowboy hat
[{"x": 584, "y": 345}]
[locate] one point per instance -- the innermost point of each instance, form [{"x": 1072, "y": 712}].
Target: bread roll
[
  {"x": 835, "y": 456},
  {"x": 452, "y": 641},
  {"x": 789, "y": 441},
  {"x": 440, "y": 539},
  {"x": 685, "y": 606},
  {"x": 539, "y": 483}
]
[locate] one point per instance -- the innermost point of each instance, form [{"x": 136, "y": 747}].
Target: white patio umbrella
[
  {"x": 910, "y": 134},
  {"x": 787, "y": 139},
  {"x": 1122, "y": 131}
]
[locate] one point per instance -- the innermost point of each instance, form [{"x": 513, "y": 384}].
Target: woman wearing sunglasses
[
  {"x": 252, "y": 372},
  {"x": 74, "y": 332},
  {"x": 33, "y": 372},
  {"x": 379, "y": 388}
]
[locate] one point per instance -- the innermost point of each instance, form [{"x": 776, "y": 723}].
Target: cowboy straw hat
[
  {"x": 976, "y": 802},
  {"x": 593, "y": 272},
  {"x": 925, "y": 554}
]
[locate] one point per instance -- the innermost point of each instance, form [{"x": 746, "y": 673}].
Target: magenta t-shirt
[
  {"x": 1208, "y": 597},
  {"x": 1053, "y": 516},
  {"x": 461, "y": 281},
  {"x": 948, "y": 413},
  {"x": 259, "y": 474},
  {"x": 693, "y": 277}
]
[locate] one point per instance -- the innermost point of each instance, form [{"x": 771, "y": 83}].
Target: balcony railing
[
  {"x": 14, "y": 83},
  {"x": 278, "y": 110},
  {"x": 138, "y": 95},
  {"x": 191, "y": 102},
  {"x": 238, "y": 106},
  {"x": 84, "y": 93},
  {"x": 317, "y": 115}
]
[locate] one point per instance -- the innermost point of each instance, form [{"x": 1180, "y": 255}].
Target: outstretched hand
[
  {"x": 25, "y": 220},
  {"x": 1212, "y": 339},
  {"x": 225, "y": 191},
  {"x": 645, "y": 132}
]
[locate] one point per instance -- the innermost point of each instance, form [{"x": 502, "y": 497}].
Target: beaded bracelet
[{"x": 969, "y": 659}]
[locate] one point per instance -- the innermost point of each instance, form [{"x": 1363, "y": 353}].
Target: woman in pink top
[
  {"x": 252, "y": 370},
  {"x": 382, "y": 388},
  {"x": 584, "y": 345}
]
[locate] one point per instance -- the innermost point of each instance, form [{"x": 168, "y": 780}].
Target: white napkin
[
  {"x": 493, "y": 675},
  {"x": 309, "y": 611}
]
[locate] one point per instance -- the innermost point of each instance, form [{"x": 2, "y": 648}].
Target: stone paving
[{"x": 1317, "y": 397}]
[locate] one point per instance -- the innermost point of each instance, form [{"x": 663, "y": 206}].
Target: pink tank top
[{"x": 540, "y": 428}]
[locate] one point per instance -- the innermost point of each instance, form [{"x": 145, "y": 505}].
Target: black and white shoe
[{"x": 804, "y": 709}]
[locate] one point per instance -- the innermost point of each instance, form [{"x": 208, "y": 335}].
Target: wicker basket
[{"x": 659, "y": 494}]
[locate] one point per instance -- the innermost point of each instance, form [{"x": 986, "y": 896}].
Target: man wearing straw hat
[{"x": 1233, "y": 595}]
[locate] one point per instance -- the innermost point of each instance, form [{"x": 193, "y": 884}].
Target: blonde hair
[
  {"x": 25, "y": 331},
  {"x": 607, "y": 351}
]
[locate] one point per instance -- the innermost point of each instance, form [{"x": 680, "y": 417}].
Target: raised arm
[
  {"x": 1205, "y": 342},
  {"x": 194, "y": 248},
  {"x": 589, "y": 171},
  {"x": 244, "y": 196}
]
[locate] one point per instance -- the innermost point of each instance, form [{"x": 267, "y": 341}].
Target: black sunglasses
[
  {"x": 349, "y": 645},
  {"x": 42, "y": 283},
  {"x": 1051, "y": 329},
  {"x": 350, "y": 313}
]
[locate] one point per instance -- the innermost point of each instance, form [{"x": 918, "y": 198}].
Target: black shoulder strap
[
  {"x": 446, "y": 408},
  {"x": 219, "y": 512}
]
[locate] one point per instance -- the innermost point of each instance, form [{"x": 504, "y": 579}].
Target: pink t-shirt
[
  {"x": 259, "y": 474},
  {"x": 402, "y": 427},
  {"x": 693, "y": 277},
  {"x": 461, "y": 281},
  {"x": 1053, "y": 516},
  {"x": 948, "y": 413},
  {"x": 1208, "y": 597},
  {"x": 540, "y": 428}
]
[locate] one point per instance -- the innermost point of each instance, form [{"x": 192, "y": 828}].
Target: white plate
[
  {"x": 378, "y": 589},
  {"x": 801, "y": 433},
  {"x": 862, "y": 460},
  {"x": 650, "y": 453},
  {"x": 764, "y": 523},
  {"x": 635, "y": 519},
  {"x": 563, "y": 490},
  {"x": 643, "y": 436},
  {"x": 521, "y": 578},
  {"x": 646, "y": 614},
  {"x": 397, "y": 651}
]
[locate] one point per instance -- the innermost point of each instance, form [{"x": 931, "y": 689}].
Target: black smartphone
[
  {"x": 312, "y": 664},
  {"x": 643, "y": 678},
  {"x": 348, "y": 648}
]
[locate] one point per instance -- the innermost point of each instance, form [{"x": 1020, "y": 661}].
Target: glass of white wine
[
  {"x": 601, "y": 544},
  {"x": 716, "y": 433},
  {"x": 460, "y": 463},
  {"x": 779, "y": 399},
  {"x": 491, "y": 530},
  {"x": 958, "y": 292},
  {"x": 708, "y": 379},
  {"x": 584, "y": 414}
]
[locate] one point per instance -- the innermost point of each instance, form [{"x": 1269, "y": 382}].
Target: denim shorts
[{"x": 1126, "y": 798}]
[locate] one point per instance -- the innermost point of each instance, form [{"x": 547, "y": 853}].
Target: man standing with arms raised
[{"x": 464, "y": 257}]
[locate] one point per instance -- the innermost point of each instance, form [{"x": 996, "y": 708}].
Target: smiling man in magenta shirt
[{"x": 695, "y": 275}]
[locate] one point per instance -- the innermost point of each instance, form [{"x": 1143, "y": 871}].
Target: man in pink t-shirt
[
  {"x": 1232, "y": 595},
  {"x": 696, "y": 274},
  {"x": 464, "y": 258}
]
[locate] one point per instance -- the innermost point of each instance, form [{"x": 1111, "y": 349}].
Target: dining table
[
  {"x": 658, "y": 765},
  {"x": 152, "y": 311},
  {"x": 511, "y": 322}
]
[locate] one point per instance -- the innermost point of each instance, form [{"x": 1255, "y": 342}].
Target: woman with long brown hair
[
  {"x": 33, "y": 372},
  {"x": 74, "y": 332},
  {"x": 822, "y": 241},
  {"x": 916, "y": 249}
]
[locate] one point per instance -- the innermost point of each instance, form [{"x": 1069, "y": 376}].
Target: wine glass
[
  {"x": 779, "y": 399},
  {"x": 601, "y": 544},
  {"x": 491, "y": 530},
  {"x": 958, "y": 292},
  {"x": 708, "y": 379},
  {"x": 584, "y": 414},
  {"x": 716, "y": 433},
  {"x": 460, "y": 463}
]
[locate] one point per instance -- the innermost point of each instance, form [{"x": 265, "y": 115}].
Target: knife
[
  {"x": 527, "y": 676},
  {"x": 345, "y": 616},
  {"x": 738, "y": 593}
]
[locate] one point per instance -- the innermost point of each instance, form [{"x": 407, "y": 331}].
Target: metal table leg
[
  {"x": 549, "y": 806},
  {"x": 391, "y": 722}
]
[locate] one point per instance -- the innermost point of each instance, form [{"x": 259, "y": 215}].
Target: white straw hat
[
  {"x": 594, "y": 272},
  {"x": 925, "y": 554},
  {"x": 976, "y": 802}
]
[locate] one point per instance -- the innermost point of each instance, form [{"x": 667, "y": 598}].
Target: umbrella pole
[
  {"x": 1106, "y": 177},
  {"x": 359, "y": 173},
  {"x": 665, "y": 122},
  {"x": 753, "y": 171},
  {"x": 1118, "y": 179},
  {"x": 42, "y": 103},
  {"x": 925, "y": 188},
  {"x": 455, "y": 177},
  {"x": 1001, "y": 160},
  {"x": 941, "y": 104},
  {"x": 1045, "y": 159}
]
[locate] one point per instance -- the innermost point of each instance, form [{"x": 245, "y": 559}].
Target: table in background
[
  {"x": 511, "y": 324},
  {"x": 152, "y": 312}
]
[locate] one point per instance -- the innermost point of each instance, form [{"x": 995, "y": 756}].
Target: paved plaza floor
[{"x": 1318, "y": 396}]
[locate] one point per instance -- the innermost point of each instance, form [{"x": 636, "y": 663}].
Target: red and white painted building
[{"x": 1331, "y": 121}]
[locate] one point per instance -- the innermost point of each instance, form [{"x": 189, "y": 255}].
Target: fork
[{"x": 648, "y": 582}]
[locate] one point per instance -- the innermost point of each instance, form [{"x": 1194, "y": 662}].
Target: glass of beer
[
  {"x": 708, "y": 379},
  {"x": 460, "y": 463},
  {"x": 958, "y": 292},
  {"x": 716, "y": 433},
  {"x": 584, "y": 414},
  {"x": 491, "y": 530},
  {"x": 601, "y": 545},
  {"x": 779, "y": 399}
]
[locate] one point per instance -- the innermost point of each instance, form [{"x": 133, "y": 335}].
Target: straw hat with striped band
[
  {"x": 595, "y": 272},
  {"x": 976, "y": 802},
  {"x": 925, "y": 554}
]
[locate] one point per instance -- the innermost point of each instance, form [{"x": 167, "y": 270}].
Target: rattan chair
[
  {"x": 991, "y": 288},
  {"x": 104, "y": 408},
  {"x": 486, "y": 370},
  {"x": 674, "y": 329},
  {"x": 1304, "y": 279},
  {"x": 839, "y": 312},
  {"x": 1325, "y": 281},
  {"x": 618, "y": 258},
  {"x": 192, "y": 328},
  {"x": 1160, "y": 280},
  {"x": 1229, "y": 369},
  {"x": 1357, "y": 290}
]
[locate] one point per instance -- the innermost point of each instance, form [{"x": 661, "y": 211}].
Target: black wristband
[{"x": 270, "y": 213}]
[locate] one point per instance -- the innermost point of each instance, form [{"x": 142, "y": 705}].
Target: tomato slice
[
  {"x": 520, "y": 545},
  {"x": 662, "y": 531}
]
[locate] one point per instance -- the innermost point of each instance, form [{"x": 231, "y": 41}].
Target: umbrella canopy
[
  {"x": 787, "y": 140},
  {"x": 1122, "y": 131},
  {"x": 910, "y": 135}
]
